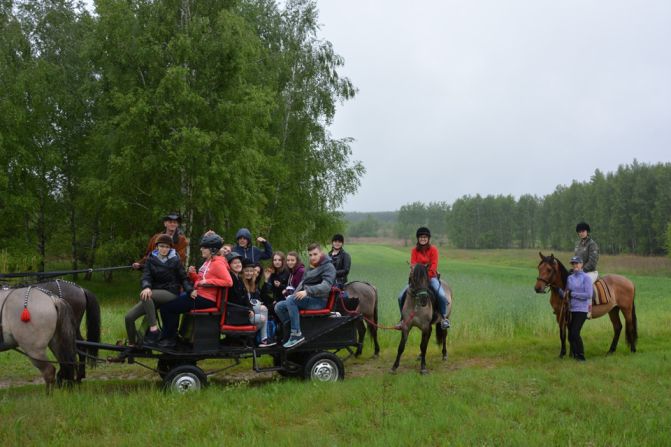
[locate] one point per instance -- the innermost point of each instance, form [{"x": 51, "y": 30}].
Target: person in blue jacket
[
  {"x": 244, "y": 246},
  {"x": 579, "y": 285}
]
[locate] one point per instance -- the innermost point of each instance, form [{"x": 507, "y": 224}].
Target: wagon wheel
[
  {"x": 185, "y": 379},
  {"x": 324, "y": 367},
  {"x": 164, "y": 366}
]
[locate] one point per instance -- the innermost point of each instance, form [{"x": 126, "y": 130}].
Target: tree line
[
  {"x": 217, "y": 109},
  {"x": 629, "y": 211}
]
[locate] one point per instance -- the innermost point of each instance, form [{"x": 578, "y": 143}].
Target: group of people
[{"x": 256, "y": 296}]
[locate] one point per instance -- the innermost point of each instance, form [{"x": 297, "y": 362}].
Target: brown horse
[
  {"x": 367, "y": 296},
  {"x": 553, "y": 275},
  {"x": 83, "y": 302},
  {"x": 33, "y": 319},
  {"x": 418, "y": 312}
]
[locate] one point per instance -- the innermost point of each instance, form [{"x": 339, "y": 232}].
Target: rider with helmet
[
  {"x": 210, "y": 276},
  {"x": 427, "y": 254},
  {"x": 587, "y": 250}
]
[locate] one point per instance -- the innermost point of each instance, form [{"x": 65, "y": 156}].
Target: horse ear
[
  {"x": 541, "y": 255},
  {"x": 552, "y": 256}
]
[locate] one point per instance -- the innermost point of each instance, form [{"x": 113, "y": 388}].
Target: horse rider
[
  {"x": 580, "y": 287},
  {"x": 425, "y": 253},
  {"x": 587, "y": 250},
  {"x": 171, "y": 222},
  {"x": 341, "y": 260}
]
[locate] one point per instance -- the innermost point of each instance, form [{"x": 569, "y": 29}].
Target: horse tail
[
  {"x": 65, "y": 338},
  {"x": 440, "y": 334},
  {"x": 92, "y": 325},
  {"x": 632, "y": 334}
]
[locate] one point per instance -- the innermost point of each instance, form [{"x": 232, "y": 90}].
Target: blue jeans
[
  {"x": 288, "y": 309},
  {"x": 437, "y": 288}
]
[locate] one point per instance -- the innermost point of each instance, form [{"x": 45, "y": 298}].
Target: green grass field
[{"x": 502, "y": 385}]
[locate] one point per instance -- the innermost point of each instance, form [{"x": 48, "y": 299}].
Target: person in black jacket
[
  {"x": 163, "y": 278},
  {"x": 239, "y": 309},
  {"x": 341, "y": 260}
]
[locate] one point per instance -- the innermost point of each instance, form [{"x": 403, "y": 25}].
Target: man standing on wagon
[
  {"x": 171, "y": 223},
  {"x": 312, "y": 293}
]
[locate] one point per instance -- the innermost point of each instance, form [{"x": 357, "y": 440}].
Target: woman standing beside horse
[{"x": 579, "y": 286}]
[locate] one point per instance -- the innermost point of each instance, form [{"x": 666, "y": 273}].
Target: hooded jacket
[
  {"x": 167, "y": 275},
  {"x": 317, "y": 281},
  {"x": 213, "y": 272},
  {"x": 250, "y": 252}
]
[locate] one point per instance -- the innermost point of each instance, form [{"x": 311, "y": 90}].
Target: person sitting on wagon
[
  {"x": 244, "y": 246},
  {"x": 259, "y": 317},
  {"x": 162, "y": 277},
  {"x": 341, "y": 260},
  {"x": 296, "y": 272},
  {"x": 277, "y": 278},
  {"x": 311, "y": 293},
  {"x": 212, "y": 275},
  {"x": 171, "y": 223},
  {"x": 425, "y": 253},
  {"x": 587, "y": 250}
]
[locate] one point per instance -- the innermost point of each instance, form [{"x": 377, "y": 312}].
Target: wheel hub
[
  {"x": 186, "y": 383},
  {"x": 325, "y": 371}
]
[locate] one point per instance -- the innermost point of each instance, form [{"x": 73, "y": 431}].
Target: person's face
[
  {"x": 248, "y": 272},
  {"x": 423, "y": 239},
  {"x": 171, "y": 225},
  {"x": 163, "y": 249},
  {"x": 205, "y": 252},
  {"x": 291, "y": 261},
  {"x": 242, "y": 241},
  {"x": 225, "y": 250},
  {"x": 314, "y": 256},
  {"x": 257, "y": 269},
  {"x": 277, "y": 262},
  {"x": 236, "y": 265},
  {"x": 337, "y": 245},
  {"x": 577, "y": 266},
  {"x": 582, "y": 234}
]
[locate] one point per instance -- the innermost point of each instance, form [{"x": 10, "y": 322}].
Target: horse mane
[{"x": 419, "y": 277}]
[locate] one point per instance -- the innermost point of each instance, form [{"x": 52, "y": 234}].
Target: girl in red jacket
[
  {"x": 427, "y": 254},
  {"x": 212, "y": 275}
]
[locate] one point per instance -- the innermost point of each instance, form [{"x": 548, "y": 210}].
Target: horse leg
[
  {"x": 81, "y": 368},
  {"x": 401, "y": 348},
  {"x": 617, "y": 328},
  {"x": 562, "y": 338},
  {"x": 426, "y": 336},
  {"x": 40, "y": 361},
  {"x": 361, "y": 330},
  {"x": 443, "y": 336}
]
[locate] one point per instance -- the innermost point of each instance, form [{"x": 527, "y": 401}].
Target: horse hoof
[
  {"x": 392, "y": 371},
  {"x": 444, "y": 358},
  {"x": 424, "y": 372},
  {"x": 376, "y": 355}
]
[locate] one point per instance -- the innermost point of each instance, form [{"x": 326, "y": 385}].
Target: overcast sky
[{"x": 498, "y": 97}]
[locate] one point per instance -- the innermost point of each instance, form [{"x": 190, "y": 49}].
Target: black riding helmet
[
  {"x": 582, "y": 226},
  {"x": 423, "y": 231},
  {"x": 233, "y": 255},
  {"x": 212, "y": 241}
]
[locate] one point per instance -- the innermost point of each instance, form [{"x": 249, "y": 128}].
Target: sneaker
[
  {"x": 168, "y": 343},
  {"x": 152, "y": 338},
  {"x": 266, "y": 344},
  {"x": 445, "y": 324},
  {"x": 294, "y": 340}
]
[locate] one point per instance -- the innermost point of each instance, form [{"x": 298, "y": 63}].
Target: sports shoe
[
  {"x": 152, "y": 338},
  {"x": 294, "y": 340},
  {"x": 265, "y": 343},
  {"x": 445, "y": 324}
]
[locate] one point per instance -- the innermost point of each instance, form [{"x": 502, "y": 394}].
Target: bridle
[{"x": 548, "y": 282}]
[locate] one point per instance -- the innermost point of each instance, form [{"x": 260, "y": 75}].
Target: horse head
[
  {"x": 551, "y": 273},
  {"x": 419, "y": 283}
]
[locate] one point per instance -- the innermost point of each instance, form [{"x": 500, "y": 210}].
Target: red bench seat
[{"x": 325, "y": 311}]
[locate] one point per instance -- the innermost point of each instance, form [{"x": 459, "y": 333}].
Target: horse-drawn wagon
[{"x": 327, "y": 333}]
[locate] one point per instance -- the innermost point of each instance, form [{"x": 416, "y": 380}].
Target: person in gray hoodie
[
  {"x": 244, "y": 246},
  {"x": 312, "y": 293}
]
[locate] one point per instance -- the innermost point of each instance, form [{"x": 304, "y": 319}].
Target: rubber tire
[
  {"x": 324, "y": 367},
  {"x": 185, "y": 379},
  {"x": 164, "y": 366}
]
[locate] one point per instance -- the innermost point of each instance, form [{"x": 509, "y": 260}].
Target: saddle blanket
[{"x": 601, "y": 293}]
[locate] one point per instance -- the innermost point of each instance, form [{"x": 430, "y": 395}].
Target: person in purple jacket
[{"x": 579, "y": 285}]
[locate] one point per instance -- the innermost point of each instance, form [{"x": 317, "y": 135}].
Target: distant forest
[{"x": 629, "y": 211}]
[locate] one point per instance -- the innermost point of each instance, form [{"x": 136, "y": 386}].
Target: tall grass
[{"x": 503, "y": 383}]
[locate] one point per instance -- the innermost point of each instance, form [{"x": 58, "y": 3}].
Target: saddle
[{"x": 601, "y": 294}]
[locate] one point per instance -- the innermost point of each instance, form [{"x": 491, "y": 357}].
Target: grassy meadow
[{"x": 502, "y": 385}]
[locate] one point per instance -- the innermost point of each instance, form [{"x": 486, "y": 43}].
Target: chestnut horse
[{"x": 553, "y": 275}]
